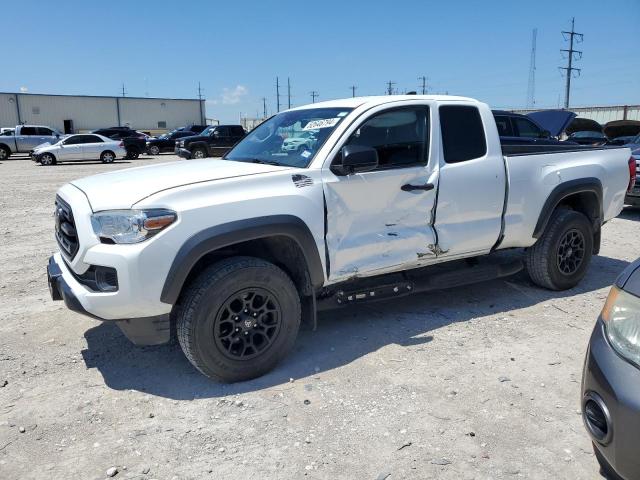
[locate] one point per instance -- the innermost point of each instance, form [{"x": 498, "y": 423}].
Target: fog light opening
[{"x": 596, "y": 418}]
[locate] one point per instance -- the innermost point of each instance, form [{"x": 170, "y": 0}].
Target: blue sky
[{"x": 236, "y": 49}]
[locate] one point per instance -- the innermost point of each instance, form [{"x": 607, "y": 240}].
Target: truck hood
[
  {"x": 124, "y": 188},
  {"x": 555, "y": 121}
]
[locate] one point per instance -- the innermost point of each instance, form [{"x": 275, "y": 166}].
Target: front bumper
[
  {"x": 141, "y": 331},
  {"x": 615, "y": 383}
]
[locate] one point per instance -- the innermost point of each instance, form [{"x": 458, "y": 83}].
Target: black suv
[
  {"x": 516, "y": 129},
  {"x": 214, "y": 141},
  {"x": 167, "y": 142},
  {"x": 134, "y": 141}
]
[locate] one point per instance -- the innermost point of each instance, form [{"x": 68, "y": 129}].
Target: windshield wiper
[{"x": 266, "y": 162}]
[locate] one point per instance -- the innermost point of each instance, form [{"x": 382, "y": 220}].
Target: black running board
[{"x": 426, "y": 283}]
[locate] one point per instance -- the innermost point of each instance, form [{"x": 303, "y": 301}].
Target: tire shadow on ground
[{"x": 342, "y": 335}]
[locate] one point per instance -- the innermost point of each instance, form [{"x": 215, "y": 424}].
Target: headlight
[
  {"x": 131, "y": 226},
  {"x": 181, "y": 143},
  {"x": 621, "y": 315}
]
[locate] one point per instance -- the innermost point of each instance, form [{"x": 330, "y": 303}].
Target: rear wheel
[
  {"x": 561, "y": 256},
  {"x": 107, "y": 157},
  {"x": 238, "y": 319},
  {"x": 199, "y": 153},
  {"x": 4, "y": 153},
  {"x": 47, "y": 159}
]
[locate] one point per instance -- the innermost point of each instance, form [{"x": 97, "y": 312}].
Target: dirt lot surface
[{"x": 479, "y": 382}]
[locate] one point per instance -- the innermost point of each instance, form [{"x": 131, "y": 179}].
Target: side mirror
[
  {"x": 545, "y": 134},
  {"x": 356, "y": 159}
]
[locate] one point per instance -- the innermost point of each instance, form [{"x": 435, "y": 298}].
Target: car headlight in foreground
[
  {"x": 621, "y": 316},
  {"x": 131, "y": 226}
]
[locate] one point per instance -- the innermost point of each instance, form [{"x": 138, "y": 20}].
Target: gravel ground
[{"x": 477, "y": 382}]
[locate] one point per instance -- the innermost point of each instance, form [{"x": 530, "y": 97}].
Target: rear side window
[
  {"x": 237, "y": 131},
  {"x": 92, "y": 139},
  {"x": 462, "y": 133},
  {"x": 44, "y": 131},
  {"x": 222, "y": 131}
]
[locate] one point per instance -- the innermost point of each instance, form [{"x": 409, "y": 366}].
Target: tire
[
  {"x": 154, "y": 150},
  {"x": 215, "y": 302},
  {"x": 560, "y": 258},
  {"x": 132, "y": 153},
  {"x": 107, "y": 156},
  {"x": 199, "y": 153},
  {"x": 4, "y": 152},
  {"x": 47, "y": 160}
]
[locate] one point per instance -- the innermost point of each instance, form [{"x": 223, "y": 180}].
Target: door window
[
  {"x": 463, "y": 135},
  {"x": 400, "y": 136},
  {"x": 92, "y": 139},
  {"x": 526, "y": 128},
  {"x": 222, "y": 131},
  {"x": 28, "y": 131},
  {"x": 504, "y": 126}
]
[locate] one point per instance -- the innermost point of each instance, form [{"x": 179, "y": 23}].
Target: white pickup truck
[
  {"x": 25, "y": 138},
  {"x": 388, "y": 200}
]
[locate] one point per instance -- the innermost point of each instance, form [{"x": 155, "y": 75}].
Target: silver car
[{"x": 80, "y": 147}]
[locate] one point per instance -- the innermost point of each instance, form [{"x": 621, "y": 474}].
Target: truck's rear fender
[
  {"x": 583, "y": 195},
  {"x": 283, "y": 239}
]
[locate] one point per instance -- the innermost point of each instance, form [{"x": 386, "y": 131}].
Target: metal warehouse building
[{"x": 80, "y": 113}]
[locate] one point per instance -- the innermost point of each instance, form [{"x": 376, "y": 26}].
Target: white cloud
[{"x": 231, "y": 96}]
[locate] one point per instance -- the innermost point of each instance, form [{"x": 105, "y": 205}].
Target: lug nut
[
  {"x": 246, "y": 333},
  {"x": 246, "y": 310},
  {"x": 237, "y": 329},
  {"x": 255, "y": 314}
]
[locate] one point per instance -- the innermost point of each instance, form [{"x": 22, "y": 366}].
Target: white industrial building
[{"x": 81, "y": 113}]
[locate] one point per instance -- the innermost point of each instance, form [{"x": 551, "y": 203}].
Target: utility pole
[
  {"x": 313, "y": 94},
  {"x": 353, "y": 90},
  {"x": 569, "y": 69},
  {"x": 124, "y": 93},
  {"x": 390, "y": 85},
  {"x": 424, "y": 84},
  {"x": 288, "y": 92},
  {"x": 531, "y": 87},
  {"x": 277, "y": 95},
  {"x": 200, "y": 101},
  {"x": 264, "y": 107}
]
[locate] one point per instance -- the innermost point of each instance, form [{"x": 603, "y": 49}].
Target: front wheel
[
  {"x": 154, "y": 150},
  {"x": 107, "y": 157},
  {"x": 4, "y": 153},
  {"x": 47, "y": 160},
  {"x": 561, "y": 256},
  {"x": 132, "y": 154},
  {"x": 238, "y": 319},
  {"x": 198, "y": 153}
]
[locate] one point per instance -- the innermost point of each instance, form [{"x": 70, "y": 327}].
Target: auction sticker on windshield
[{"x": 325, "y": 123}]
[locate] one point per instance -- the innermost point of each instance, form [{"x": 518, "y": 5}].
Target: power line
[
  {"x": 314, "y": 94},
  {"x": 277, "y": 95},
  {"x": 353, "y": 90},
  {"x": 531, "y": 86},
  {"x": 390, "y": 85},
  {"x": 569, "y": 69},
  {"x": 424, "y": 84}
]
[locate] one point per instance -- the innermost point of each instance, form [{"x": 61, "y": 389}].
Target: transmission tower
[
  {"x": 569, "y": 69},
  {"x": 531, "y": 87}
]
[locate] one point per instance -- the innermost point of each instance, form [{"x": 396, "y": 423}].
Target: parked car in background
[
  {"x": 193, "y": 128},
  {"x": 134, "y": 142},
  {"x": 166, "y": 142},
  {"x": 214, "y": 141},
  {"x": 299, "y": 141},
  {"x": 79, "y": 147},
  {"x": 611, "y": 380},
  {"x": 517, "y": 129},
  {"x": 7, "y": 131},
  {"x": 25, "y": 138},
  {"x": 619, "y": 141},
  {"x": 633, "y": 195},
  {"x": 588, "y": 138}
]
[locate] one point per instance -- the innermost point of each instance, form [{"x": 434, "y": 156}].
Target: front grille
[{"x": 66, "y": 234}]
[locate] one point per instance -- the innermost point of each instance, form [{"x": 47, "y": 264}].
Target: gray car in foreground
[{"x": 611, "y": 380}]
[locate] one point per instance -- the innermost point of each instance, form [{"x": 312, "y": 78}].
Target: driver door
[
  {"x": 381, "y": 220},
  {"x": 71, "y": 148}
]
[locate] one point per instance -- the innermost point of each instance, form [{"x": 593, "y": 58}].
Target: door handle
[{"x": 410, "y": 188}]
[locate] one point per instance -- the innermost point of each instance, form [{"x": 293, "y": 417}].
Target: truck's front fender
[{"x": 224, "y": 235}]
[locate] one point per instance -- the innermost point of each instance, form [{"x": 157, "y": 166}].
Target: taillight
[
  {"x": 632, "y": 173},
  {"x": 122, "y": 145}
]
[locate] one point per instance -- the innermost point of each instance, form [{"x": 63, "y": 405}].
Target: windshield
[{"x": 290, "y": 138}]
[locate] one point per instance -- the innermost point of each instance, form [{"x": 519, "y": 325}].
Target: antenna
[{"x": 531, "y": 87}]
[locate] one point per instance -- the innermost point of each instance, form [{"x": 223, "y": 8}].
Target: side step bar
[{"x": 436, "y": 281}]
